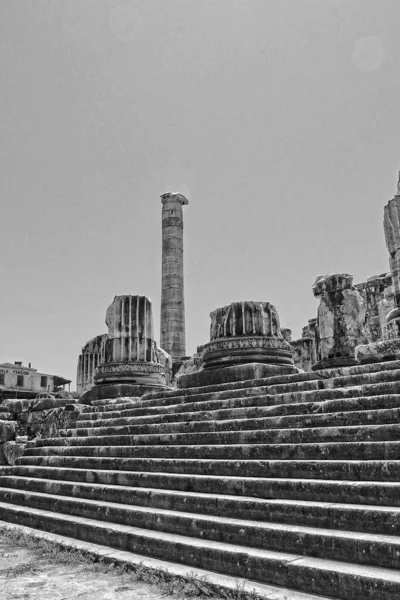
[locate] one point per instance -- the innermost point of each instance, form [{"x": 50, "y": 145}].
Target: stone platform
[
  {"x": 113, "y": 391},
  {"x": 290, "y": 481},
  {"x": 233, "y": 374}
]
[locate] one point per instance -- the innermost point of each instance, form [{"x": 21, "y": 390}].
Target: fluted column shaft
[
  {"x": 173, "y": 331},
  {"x": 92, "y": 355},
  {"x": 130, "y": 330}
]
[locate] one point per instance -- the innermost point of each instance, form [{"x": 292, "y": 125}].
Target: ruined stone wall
[
  {"x": 376, "y": 296},
  {"x": 304, "y": 349},
  {"x": 304, "y": 353},
  {"x": 348, "y": 316},
  {"x": 25, "y": 420},
  {"x": 191, "y": 364}
]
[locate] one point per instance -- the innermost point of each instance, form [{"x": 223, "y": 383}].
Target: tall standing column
[{"x": 173, "y": 332}]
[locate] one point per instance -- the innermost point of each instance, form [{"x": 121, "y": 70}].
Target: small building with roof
[{"x": 19, "y": 381}]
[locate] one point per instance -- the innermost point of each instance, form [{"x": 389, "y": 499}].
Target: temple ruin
[{"x": 262, "y": 465}]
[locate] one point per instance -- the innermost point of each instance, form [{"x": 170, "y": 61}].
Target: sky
[{"x": 278, "y": 119}]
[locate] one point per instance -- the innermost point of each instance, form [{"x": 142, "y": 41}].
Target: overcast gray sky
[{"x": 279, "y": 119}]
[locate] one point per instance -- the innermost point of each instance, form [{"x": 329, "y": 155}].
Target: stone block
[
  {"x": 386, "y": 350},
  {"x": 116, "y": 390},
  {"x": 8, "y": 430},
  {"x": 18, "y": 406},
  {"x": 10, "y": 451},
  {"x": 233, "y": 374},
  {"x": 57, "y": 420}
]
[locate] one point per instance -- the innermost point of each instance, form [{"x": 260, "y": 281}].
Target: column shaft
[{"x": 173, "y": 331}]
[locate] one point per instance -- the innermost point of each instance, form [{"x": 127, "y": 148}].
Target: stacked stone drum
[
  {"x": 133, "y": 364},
  {"x": 246, "y": 332}
]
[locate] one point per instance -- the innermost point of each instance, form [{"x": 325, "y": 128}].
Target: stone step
[
  {"x": 365, "y": 433},
  {"x": 332, "y": 451},
  {"x": 275, "y": 385},
  {"x": 351, "y": 517},
  {"x": 362, "y": 548},
  {"x": 265, "y": 390},
  {"x": 261, "y": 400},
  {"x": 251, "y": 412},
  {"x": 109, "y": 401},
  {"x": 364, "y": 378},
  {"x": 322, "y": 375},
  {"x": 339, "y": 579},
  {"x": 334, "y": 419},
  {"x": 349, "y": 470},
  {"x": 320, "y": 489},
  {"x": 218, "y": 584},
  {"x": 177, "y": 397},
  {"x": 222, "y": 388},
  {"x": 384, "y": 382}
]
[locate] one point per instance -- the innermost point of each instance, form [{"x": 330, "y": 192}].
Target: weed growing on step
[{"x": 191, "y": 586}]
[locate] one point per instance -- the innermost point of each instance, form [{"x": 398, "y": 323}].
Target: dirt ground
[{"x": 25, "y": 575}]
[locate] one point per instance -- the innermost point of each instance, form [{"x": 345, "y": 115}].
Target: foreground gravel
[{"x": 24, "y": 575}]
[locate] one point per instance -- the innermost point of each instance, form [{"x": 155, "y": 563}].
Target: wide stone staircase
[{"x": 290, "y": 481}]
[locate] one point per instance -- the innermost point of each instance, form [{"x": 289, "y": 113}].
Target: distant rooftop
[
  {"x": 17, "y": 365},
  {"x": 58, "y": 380}
]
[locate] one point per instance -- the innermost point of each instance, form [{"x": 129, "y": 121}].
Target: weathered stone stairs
[{"x": 291, "y": 481}]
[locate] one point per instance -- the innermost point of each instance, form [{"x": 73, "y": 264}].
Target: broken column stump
[
  {"x": 246, "y": 342},
  {"x": 341, "y": 322},
  {"x": 133, "y": 364}
]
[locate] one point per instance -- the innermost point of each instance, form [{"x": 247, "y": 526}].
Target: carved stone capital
[
  {"x": 331, "y": 284},
  {"x": 135, "y": 367},
  {"x": 242, "y": 350},
  {"x": 173, "y": 197},
  {"x": 138, "y": 373},
  {"x": 245, "y": 343}
]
